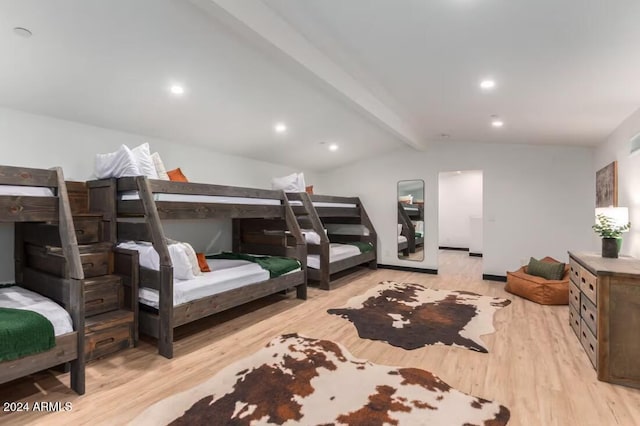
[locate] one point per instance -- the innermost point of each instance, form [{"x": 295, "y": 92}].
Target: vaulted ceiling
[{"x": 367, "y": 75}]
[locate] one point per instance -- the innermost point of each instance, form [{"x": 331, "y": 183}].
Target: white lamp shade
[{"x": 619, "y": 215}]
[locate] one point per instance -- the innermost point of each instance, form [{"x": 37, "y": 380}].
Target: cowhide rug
[
  {"x": 411, "y": 316},
  {"x": 298, "y": 380}
]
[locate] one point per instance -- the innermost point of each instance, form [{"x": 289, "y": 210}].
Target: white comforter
[{"x": 19, "y": 298}]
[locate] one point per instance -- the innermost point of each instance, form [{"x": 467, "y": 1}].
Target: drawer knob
[{"x": 591, "y": 287}]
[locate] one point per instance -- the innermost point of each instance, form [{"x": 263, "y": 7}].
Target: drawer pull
[
  {"x": 592, "y": 317},
  {"x": 591, "y": 287},
  {"x": 584, "y": 308},
  {"x": 583, "y": 280},
  {"x": 592, "y": 348},
  {"x": 79, "y": 231},
  {"x": 105, "y": 342},
  {"x": 87, "y": 265},
  {"x": 94, "y": 302}
]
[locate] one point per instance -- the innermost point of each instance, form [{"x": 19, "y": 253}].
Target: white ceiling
[
  {"x": 110, "y": 63},
  {"x": 365, "y": 74},
  {"x": 567, "y": 71}
]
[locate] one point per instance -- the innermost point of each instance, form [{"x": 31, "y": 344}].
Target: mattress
[
  {"x": 26, "y": 191},
  {"x": 225, "y": 275},
  {"x": 402, "y": 239},
  {"x": 323, "y": 204},
  {"x": 336, "y": 252},
  {"x": 347, "y": 229},
  {"x": 19, "y": 298},
  {"x": 187, "y": 198}
]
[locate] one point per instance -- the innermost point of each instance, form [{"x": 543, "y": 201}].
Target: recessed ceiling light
[
  {"x": 458, "y": 172},
  {"x": 496, "y": 122},
  {"x": 280, "y": 127},
  {"x": 333, "y": 147},
  {"x": 22, "y": 32},
  {"x": 176, "y": 89},
  {"x": 487, "y": 84}
]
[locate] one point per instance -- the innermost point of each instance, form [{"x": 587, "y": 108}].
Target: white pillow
[
  {"x": 144, "y": 161},
  {"x": 161, "y": 170},
  {"x": 399, "y": 229},
  {"x": 116, "y": 164},
  {"x": 193, "y": 259},
  {"x": 182, "y": 269},
  {"x": 290, "y": 183},
  {"x": 150, "y": 259},
  {"x": 347, "y": 229}
]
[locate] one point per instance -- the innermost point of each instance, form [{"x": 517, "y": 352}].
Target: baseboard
[
  {"x": 454, "y": 248},
  {"x": 408, "y": 269},
  {"x": 489, "y": 277},
  {"x": 475, "y": 254}
]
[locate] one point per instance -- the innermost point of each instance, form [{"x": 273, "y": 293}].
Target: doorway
[{"x": 460, "y": 239}]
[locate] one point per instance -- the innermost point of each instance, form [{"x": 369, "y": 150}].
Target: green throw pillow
[{"x": 547, "y": 270}]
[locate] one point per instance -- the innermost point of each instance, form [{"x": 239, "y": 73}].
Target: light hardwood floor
[{"x": 535, "y": 365}]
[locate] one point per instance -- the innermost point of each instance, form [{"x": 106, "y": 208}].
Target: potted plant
[{"x": 610, "y": 233}]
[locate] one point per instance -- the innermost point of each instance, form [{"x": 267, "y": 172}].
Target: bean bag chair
[{"x": 538, "y": 289}]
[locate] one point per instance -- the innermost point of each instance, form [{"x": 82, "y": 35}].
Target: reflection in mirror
[{"x": 411, "y": 220}]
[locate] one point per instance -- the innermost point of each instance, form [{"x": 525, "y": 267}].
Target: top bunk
[
  {"x": 190, "y": 200},
  {"x": 326, "y": 206},
  {"x": 30, "y": 195},
  {"x": 414, "y": 211}
]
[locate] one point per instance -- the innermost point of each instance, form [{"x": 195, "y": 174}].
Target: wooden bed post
[
  {"x": 165, "y": 308},
  {"x": 76, "y": 307},
  {"x": 316, "y": 223},
  {"x": 301, "y": 244},
  {"x": 364, "y": 217}
]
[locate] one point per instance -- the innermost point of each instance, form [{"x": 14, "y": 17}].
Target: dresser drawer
[
  {"x": 574, "y": 320},
  {"x": 574, "y": 271},
  {"x": 106, "y": 341},
  {"x": 102, "y": 294},
  {"x": 588, "y": 284},
  {"x": 574, "y": 296},
  {"x": 589, "y": 343},
  {"x": 589, "y": 314}
]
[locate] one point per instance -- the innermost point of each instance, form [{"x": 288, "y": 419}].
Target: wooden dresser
[{"x": 604, "y": 312}]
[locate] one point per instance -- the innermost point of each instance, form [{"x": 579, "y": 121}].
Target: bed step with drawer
[
  {"x": 107, "y": 333},
  {"x": 102, "y": 294},
  {"x": 95, "y": 259}
]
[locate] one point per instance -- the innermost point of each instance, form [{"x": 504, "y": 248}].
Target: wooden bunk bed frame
[
  {"x": 404, "y": 218},
  {"x": 249, "y": 223},
  {"x": 312, "y": 217},
  {"x": 42, "y": 214}
]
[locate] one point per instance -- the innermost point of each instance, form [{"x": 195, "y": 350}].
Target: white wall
[
  {"x": 617, "y": 148},
  {"x": 459, "y": 198},
  {"x": 538, "y": 200},
  {"x": 37, "y": 141}
]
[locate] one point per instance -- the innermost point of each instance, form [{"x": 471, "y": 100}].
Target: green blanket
[
  {"x": 24, "y": 333},
  {"x": 364, "y": 247},
  {"x": 276, "y": 265}
]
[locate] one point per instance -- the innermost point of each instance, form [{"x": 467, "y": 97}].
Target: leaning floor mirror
[{"x": 411, "y": 220}]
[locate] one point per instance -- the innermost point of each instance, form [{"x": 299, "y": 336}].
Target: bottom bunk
[
  {"x": 37, "y": 334},
  {"x": 233, "y": 280},
  {"x": 338, "y": 257}
]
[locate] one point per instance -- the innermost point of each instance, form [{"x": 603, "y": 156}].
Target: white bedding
[
  {"x": 402, "y": 239},
  {"x": 26, "y": 191},
  {"x": 226, "y": 274},
  {"x": 323, "y": 204},
  {"x": 186, "y": 198},
  {"x": 336, "y": 252},
  {"x": 19, "y": 298}
]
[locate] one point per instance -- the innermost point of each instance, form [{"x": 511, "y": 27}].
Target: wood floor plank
[{"x": 535, "y": 365}]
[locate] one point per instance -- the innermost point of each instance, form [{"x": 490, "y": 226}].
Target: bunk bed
[
  {"x": 133, "y": 208},
  {"x": 349, "y": 240},
  {"x": 409, "y": 216},
  {"x": 36, "y": 201}
]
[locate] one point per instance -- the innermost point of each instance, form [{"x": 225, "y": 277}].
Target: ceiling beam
[{"x": 258, "y": 19}]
